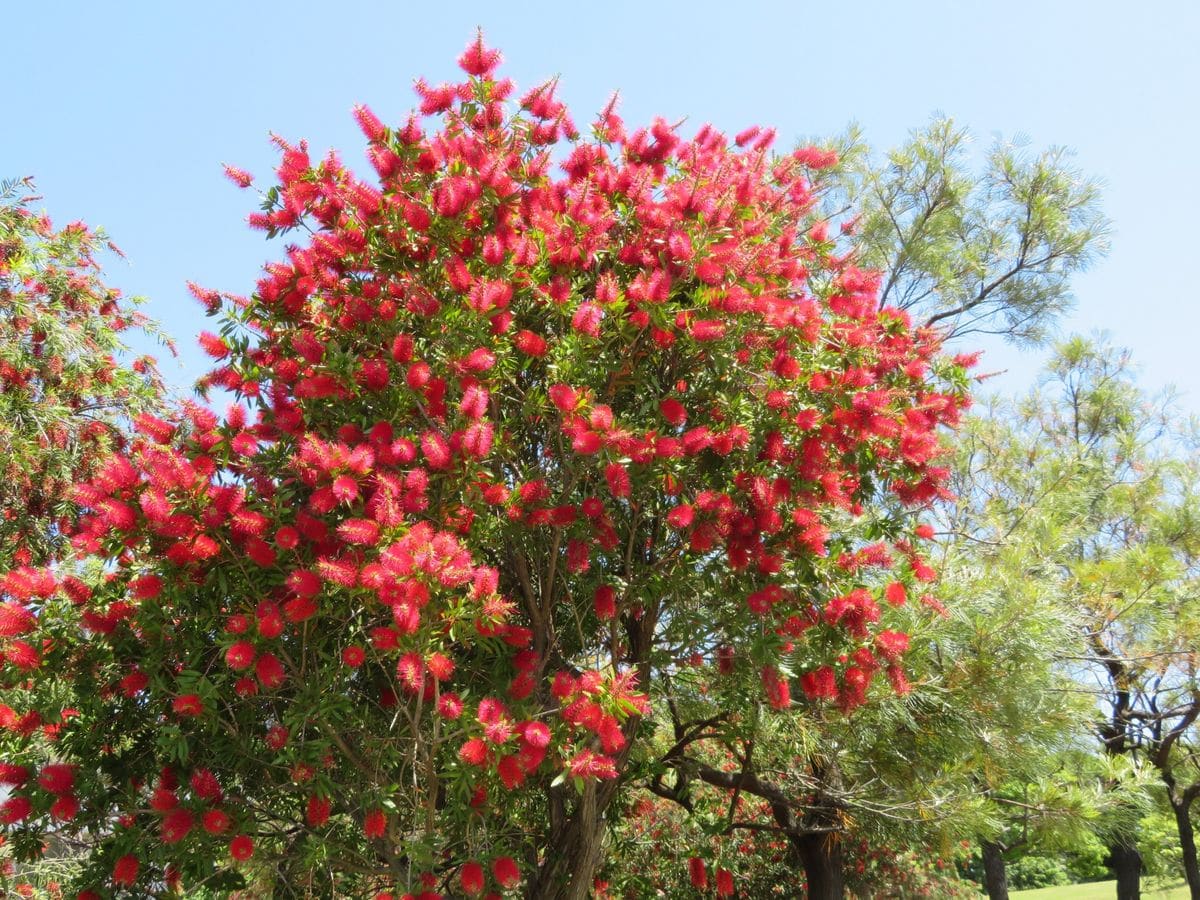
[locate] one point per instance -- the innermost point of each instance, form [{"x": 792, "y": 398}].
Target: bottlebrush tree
[
  {"x": 523, "y": 424},
  {"x": 66, "y": 384}
]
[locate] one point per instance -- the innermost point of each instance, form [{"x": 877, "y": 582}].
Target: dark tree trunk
[
  {"x": 821, "y": 857},
  {"x": 995, "y": 871},
  {"x": 1126, "y": 862},
  {"x": 573, "y": 852},
  {"x": 1187, "y": 842}
]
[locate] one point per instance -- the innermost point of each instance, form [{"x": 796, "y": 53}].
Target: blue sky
[{"x": 124, "y": 112}]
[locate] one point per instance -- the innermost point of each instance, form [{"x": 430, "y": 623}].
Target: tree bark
[
  {"x": 573, "y": 851},
  {"x": 1187, "y": 842},
  {"x": 1126, "y": 862},
  {"x": 995, "y": 871},
  {"x": 821, "y": 858}
]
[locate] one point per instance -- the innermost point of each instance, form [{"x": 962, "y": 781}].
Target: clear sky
[{"x": 124, "y": 112}]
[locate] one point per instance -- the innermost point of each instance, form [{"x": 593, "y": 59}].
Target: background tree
[
  {"x": 1014, "y": 644},
  {"x": 68, "y": 387},
  {"x": 988, "y": 250},
  {"x": 1105, "y": 476},
  {"x": 516, "y": 444}
]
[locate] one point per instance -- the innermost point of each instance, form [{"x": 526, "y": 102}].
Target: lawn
[{"x": 1103, "y": 890}]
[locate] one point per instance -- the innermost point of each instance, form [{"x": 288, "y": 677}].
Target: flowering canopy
[
  {"x": 63, "y": 387},
  {"x": 522, "y": 422}
]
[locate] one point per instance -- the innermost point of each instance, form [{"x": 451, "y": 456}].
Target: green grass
[{"x": 1103, "y": 890}]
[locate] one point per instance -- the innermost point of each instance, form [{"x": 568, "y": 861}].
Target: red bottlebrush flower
[
  {"x": 479, "y": 60},
  {"x": 474, "y": 402},
  {"x": 681, "y": 516},
  {"x": 213, "y": 346},
  {"x": 586, "y": 319},
  {"x": 437, "y": 452},
  {"x": 373, "y": 375},
  {"x": 241, "y": 848},
  {"x": 15, "y": 619},
  {"x": 240, "y": 177},
  {"x": 303, "y": 583},
  {"x": 359, "y": 531},
  {"x": 895, "y": 594},
  {"x": 479, "y": 360},
  {"x": 578, "y": 555},
  {"x": 277, "y": 737},
  {"x": 244, "y": 444},
  {"x": 154, "y": 428},
  {"x": 534, "y": 734},
  {"x": 354, "y": 656},
  {"x": 65, "y": 808},
  {"x": 402, "y": 348},
  {"x": 188, "y": 705},
  {"x": 369, "y": 123},
  {"x": 215, "y": 821},
  {"x": 134, "y": 683},
  {"x": 449, "y": 706},
  {"x": 512, "y": 775},
  {"x": 270, "y": 671},
  {"x": 205, "y": 786},
  {"x": 530, "y": 344},
  {"x": 473, "y": 752},
  {"x": 925, "y": 531},
  {"x": 418, "y": 375},
  {"x": 15, "y": 809},
  {"x": 587, "y": 764},
  {"x": 724, "y": 883},
  {"x": 163, "y": 799},
  {"x": 125, "y": 870},
  {"x": 270, "y": 626},
  {"x": 891, "y": 644},
  {"x": 565, "y": 397},
  {"x": 819, "y": 684},
  {"x": 477, "y": 439},
  {"x": 673, "y": 411},
  {"x": 260, "y": 552},
  {"x": 440, "y": 666},
  {"x": 375, "y": 824},
  {"x": 240, "y": 655},
  {"x": 697, "y": 873},
  {"x": 605, "y": 602},
  {"x": 345, "y": 489},
  {"x": 586, "y": 443},
  {"x": 176, "y": 825},
  {"x": 316, "y": 812},
  {"x": 899, "y": 680},
  {"x": 618, "y": 479},
  {"x": 506, "y": 872},
  {"x": 22, "y": 655},
  {"x": 471, "y": 878},
  {"x": 13, "y": 774},
  {"x": 410, "y": 670},
  {"x": 57, "y": 778},
  {"x": 923, "y": 571},
  {"x": 707, "y": 330},
  {"x": 776, "y": 687},
  {"x": 287, "y": 538}
]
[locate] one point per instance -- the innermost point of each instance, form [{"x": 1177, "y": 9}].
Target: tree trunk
[
  {"x": 1126, "y": 862},
  {"x": 573, "y": 852},
  {"x": 1187, "y": 842},
  {"x": 995, "y": 871},
  {"x": 821, "y": 857}
]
